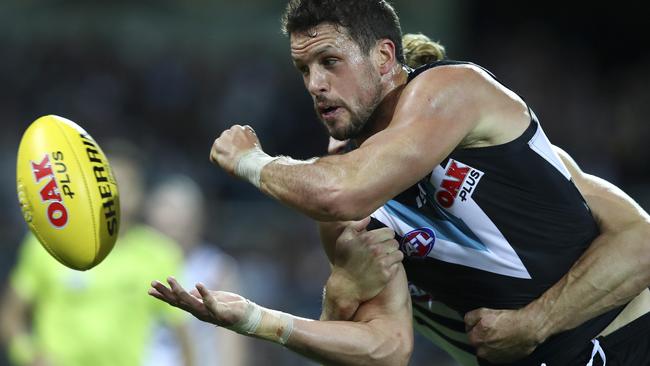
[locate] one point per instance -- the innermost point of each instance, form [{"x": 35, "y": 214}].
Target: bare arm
[
  {"x": 362, "y": 263},
  {"x": 615, "y": 268},
  {"x": 613, "y": 271},
  {"x": 380, "y": 334},
  {"x": 427, "y": 124}
]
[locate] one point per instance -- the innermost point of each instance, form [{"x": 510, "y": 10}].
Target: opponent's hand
[
  {"x": 335, "y": 147},
  {"x": 364, "y": 261},
  {"x": 228, "y": 148},
  {"x": 501, "y": 335},
  {"x": 217, "y": 307}
]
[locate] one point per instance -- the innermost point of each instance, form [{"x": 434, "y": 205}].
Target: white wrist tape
[
  {"x": 287, "y": 325},
  {"x": 251, "y": 163},
  {"x": 264, "y": 323},
  {"x": 251, "y": 321}
]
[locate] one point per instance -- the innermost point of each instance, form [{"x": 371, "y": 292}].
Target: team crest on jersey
[
  {"x": 459, "y": 182},
  {"x": 419, "y": 242}
]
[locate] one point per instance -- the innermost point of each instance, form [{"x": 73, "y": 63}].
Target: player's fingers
[
  {"x": 157, "y": 295},
  {"x": 379, "y": 235},
  {"x": 249, "y": 129},
  {"x": 163, "y": 290},
  {"x": 194, "y": 292},
  {"x": 213, "y": 157},
  {"x": 395, "y": 258},
  {"x": 202, "y": 290},
  {"x": 183, "y": 296},
  {"x": 207, "y": 297},
  {"x": 388, "y": 246},
  {"x": 361, "y": 224},
  {"x": 472, "y": 318},
  {"x": 154, "y": 293}
]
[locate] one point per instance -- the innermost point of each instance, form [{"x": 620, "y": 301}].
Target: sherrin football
[{"x": 67, "y": 192}]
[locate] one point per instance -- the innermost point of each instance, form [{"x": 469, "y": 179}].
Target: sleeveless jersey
[{"x": 492, "y": 227}]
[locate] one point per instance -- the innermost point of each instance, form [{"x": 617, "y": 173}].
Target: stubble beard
[{"x": 358, "y": 122}]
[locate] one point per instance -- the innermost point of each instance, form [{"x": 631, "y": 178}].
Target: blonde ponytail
[{"x": 420, "y": 50}]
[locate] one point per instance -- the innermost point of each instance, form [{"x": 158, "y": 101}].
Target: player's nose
[{"x": 317, "y": 84}]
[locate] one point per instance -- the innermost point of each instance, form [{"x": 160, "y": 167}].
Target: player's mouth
[{"x": 328, "y": 113}]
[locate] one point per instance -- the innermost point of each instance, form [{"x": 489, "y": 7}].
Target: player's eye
[{"x": 329, "y": 61}]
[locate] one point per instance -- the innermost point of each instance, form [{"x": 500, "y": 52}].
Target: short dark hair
[{"x": 366, "y": 21}]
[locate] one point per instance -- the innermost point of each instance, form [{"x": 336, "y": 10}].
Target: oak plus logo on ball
[
  {"x": 419, "y": 242},
  {"x": 57, "y": 214}
]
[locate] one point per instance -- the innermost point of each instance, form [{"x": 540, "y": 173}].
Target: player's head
[
  {"x": 420, "y": 50},
  {"x": 348, "y": 52}
]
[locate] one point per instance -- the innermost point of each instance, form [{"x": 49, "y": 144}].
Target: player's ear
[{"x": 384, "y": 53}]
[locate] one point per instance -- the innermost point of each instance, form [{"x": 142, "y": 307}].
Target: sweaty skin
[
  {"x": 453, "y": 106},
  {"x": 467, "y": 108}
]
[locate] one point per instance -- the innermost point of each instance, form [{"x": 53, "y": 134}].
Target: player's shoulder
[{"x": 447, "y": 73}]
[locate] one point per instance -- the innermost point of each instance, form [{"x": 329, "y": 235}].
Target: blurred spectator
[
  {"x": 55, "y": 316},
  {"x": 175, "y": 207}
]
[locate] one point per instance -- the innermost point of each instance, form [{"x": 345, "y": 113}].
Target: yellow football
[{"x": 67, "y": 192}]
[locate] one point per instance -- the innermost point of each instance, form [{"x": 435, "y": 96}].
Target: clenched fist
[{"x": 228, "y": 148}]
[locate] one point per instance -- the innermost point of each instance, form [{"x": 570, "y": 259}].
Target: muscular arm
[
  {"x": 427, "y": 124},
  {"x": 615, "y": 268},
  {"x": 381, "y": 333}
]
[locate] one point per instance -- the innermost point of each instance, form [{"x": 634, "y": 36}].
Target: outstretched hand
[
  {"x": 501, "y": 335},
  {"x": 217, "y": 307}
]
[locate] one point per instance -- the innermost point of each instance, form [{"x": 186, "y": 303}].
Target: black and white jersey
[{"x": 492, "y": 227}]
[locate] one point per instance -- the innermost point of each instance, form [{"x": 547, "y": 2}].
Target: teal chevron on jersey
[{"x": 451, "y": 229}]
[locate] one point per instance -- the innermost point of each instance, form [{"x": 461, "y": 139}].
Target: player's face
[{"x": 341, "y": 79}]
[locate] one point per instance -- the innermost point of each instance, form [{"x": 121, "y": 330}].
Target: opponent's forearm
[
  {"x": 614, "y": 270},
  {"x": 376, "y": 342}
]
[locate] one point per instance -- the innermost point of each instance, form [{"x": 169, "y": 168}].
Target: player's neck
[{"x": 383, "y": 114}]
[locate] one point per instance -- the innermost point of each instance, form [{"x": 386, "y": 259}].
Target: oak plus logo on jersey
[
  {"x": 418, "y": 242},
  {"x": 459, "y": 182}
]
